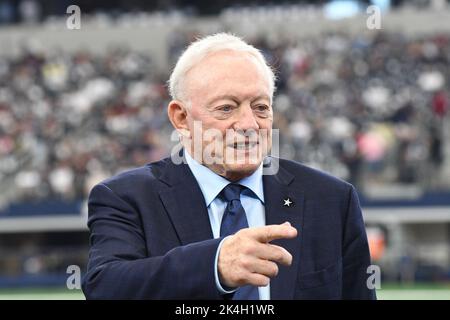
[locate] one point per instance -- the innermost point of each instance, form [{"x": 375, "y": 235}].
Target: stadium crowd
[{"x": 367, "y": 109}]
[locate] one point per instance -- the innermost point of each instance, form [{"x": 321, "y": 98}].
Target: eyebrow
[{"x": 234, "y": 98}]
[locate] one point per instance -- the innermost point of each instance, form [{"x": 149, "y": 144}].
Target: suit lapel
[
  {"x": 276, "y": 191},
  {"x": 186, "y": 208},
  {"x": 185, "y": 204}
]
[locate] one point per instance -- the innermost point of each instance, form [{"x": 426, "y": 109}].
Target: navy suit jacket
[{"x": 151, "y": 237}]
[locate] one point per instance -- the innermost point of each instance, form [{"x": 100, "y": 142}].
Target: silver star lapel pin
[{"x": 287, "y": 202}]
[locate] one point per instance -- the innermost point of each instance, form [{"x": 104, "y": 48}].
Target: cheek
[
  {"x": 219, "y": 128},
  {"x": 214, "y": 134},
  {"x": 265, "y": 125}
]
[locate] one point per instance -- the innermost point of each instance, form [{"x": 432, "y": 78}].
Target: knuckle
[
  {"x": 279, "y": 255},
  {"x": 259, "y": 282},
  {"x": 246, "y": 248},
  {"x": 245, "y": 263},
  {"x": 250, "y": 249},
  {"x": 264, "y": 281},
  {"x": 274, "y": 270},
  {"x": 271, "y": 269},
  {"x": 240, "y": 277}
]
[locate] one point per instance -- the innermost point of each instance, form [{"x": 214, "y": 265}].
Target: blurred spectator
[
  {"x": 7, "y": 12},
  {"x": 30, "y": 11}
]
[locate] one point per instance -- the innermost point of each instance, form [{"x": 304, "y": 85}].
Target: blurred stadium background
[{"x": 369, "y": 106}]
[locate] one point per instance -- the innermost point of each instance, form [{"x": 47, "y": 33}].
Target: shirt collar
[{"x": 212, "y": 184}]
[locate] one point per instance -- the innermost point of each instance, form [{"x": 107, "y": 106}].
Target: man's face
[{"x": 229, "y": 93}]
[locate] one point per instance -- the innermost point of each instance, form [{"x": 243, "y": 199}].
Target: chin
[{"x": 236, "y": 172}]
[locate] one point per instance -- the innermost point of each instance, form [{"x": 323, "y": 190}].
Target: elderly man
[{"x": 217, "y": 224}]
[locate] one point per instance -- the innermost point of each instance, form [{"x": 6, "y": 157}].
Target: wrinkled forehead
[{"x": 227, "y": 72}]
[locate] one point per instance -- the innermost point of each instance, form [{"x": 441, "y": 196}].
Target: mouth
[{"x": 243, "y": 145}]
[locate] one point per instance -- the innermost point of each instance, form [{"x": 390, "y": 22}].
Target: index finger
[{"x": 272, "y": 232}]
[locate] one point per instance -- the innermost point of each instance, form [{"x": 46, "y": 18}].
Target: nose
[{"x": 246, "y": 120}]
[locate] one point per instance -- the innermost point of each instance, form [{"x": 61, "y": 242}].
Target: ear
[{"x": 177, "y": 113}]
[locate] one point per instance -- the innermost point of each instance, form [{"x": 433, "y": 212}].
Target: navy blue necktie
[{"x": 233, "y": 220}]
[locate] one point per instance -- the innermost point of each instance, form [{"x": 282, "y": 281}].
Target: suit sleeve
[
  {"x": 119, "y": 267},
  {"x": 356, "y": 256}
]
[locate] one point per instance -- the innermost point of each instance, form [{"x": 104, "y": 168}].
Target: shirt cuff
[{"x": 216, "y": 272}]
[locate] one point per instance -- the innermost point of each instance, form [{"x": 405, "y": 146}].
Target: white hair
[{"x": 202, "y": 47}]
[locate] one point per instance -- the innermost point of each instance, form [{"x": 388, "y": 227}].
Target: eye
[
  {"x": 262, "y": 108},
  {"x": 226, "y": 108}
]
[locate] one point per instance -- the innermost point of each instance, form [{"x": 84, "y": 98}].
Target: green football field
[{"x": 387, "y": 292}]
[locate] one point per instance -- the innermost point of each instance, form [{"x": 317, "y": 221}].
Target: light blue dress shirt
[{"x": 252, "y": 200}]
